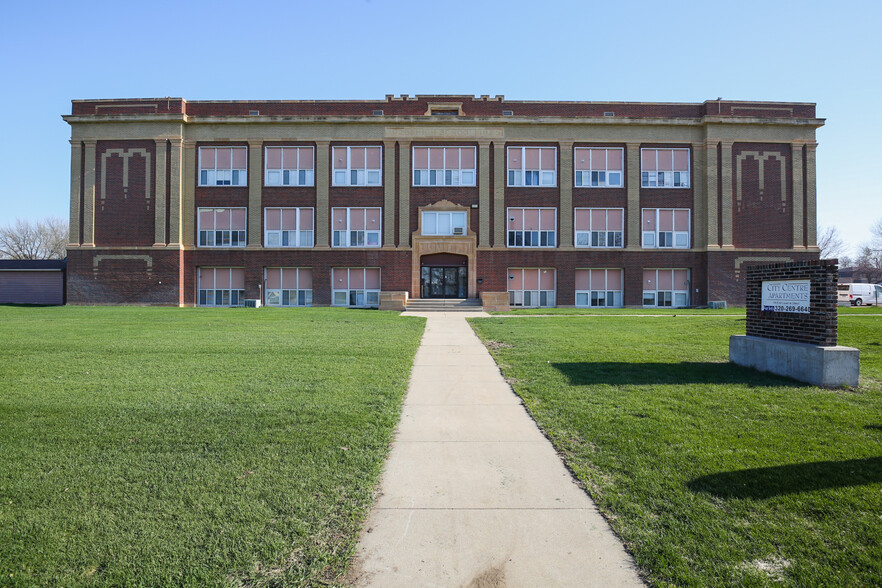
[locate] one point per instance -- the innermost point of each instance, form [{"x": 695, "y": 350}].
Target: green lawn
[
  {"x": 843, "y": 310},
  {"x": 712, "y": 474},
  {"x": 196, "y": 447}
]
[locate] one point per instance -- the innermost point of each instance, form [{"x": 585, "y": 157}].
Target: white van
[{"x": 860, "y": 294}]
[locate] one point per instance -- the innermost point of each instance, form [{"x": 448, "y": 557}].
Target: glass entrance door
[{"x": 444, "y": 282}]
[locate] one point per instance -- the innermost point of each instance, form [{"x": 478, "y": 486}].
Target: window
[
  {"x": 600, "y": 227},
  {"x": 288, "y": 227},
  {"x": 532, "y": 166},
  {"x": 289, "y": 166},
  {"x": 599, "y": 167},
  {"x": 357, "y": 166},
  {"x": 664, "y": 168},
  {"x": 444, "y": 223},
  {"x": 222, "y": 227},
  {"x": 355, "y": 286},
  {"x": 356, "y": 227},
  {"x": 223, "y": 166},
  {"x": 666, "y": 228},
  {"x": 531, "y": 286},
  {"x": 532, "y": 227},
  {"x": 666, "y": 288},
  {"x": 599, "y": 288},
  {"x": 288, "y": 286},
  {"x": 443, "y": 166},
  {"x": 221, "y": 286}
]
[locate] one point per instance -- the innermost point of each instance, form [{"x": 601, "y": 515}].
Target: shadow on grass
[
  {"x": 622, "y": 373},
  {"x": 873, "y": 427},
  {"x": 790, "y": 479}
]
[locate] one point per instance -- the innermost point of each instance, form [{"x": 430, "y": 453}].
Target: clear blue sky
[{"x": 811, "y": 51}]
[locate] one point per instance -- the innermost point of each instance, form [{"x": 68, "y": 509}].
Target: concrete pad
[{"x": 832, "y": 367}]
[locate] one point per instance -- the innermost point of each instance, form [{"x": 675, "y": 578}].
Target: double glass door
[{"x": 444, "y": 282}]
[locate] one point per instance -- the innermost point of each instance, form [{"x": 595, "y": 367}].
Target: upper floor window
[
  {"x": 357, "y": 166},
  {"x": 221, "y": 286},
  {"x": 355, "y": 286},
  {"x": 356, "y": 227},
  {"x": 664, "y": 168},
  {"x": 223, "y": 166},
  {"x": 598, "y": 167},
  {"x": 290, "y": 166},
  {"x": 288, "y": 286},
  {"x": 599, "y": 288},
  {"x": 444, "y": 166},
  {"x": 288, "y": 227},
  {"x": 666, "y": 228},
  {"x": 444, "y": 223},
  {"x": 599, "y": 227},
  {"x": 532, "y": 166},
  {"x": 532, "y": 227},
  {"x": 222, "y": 227}
]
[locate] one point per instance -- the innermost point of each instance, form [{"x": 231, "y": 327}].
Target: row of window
[
  {"x": 594, "y": 167},
  {"x": 662, "y": 228},
  {"x": 527, "y": 287}
]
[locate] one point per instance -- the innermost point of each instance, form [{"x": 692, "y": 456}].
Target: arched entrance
[{"x": 444, "y": 275}]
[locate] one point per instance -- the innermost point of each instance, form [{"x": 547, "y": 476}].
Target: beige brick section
[
  {"x": 404, "y": 194},
  {"x": 811, "y": 196},
  {"x": 565, "y": 180},
  {"x": 89, "y": 194},
  {"x": 255, "y": 192},
  {"x": 176, "y": 165},
  {"x": 726, "y": 169},
  {"x": 710, "y": 178},
  {"x": 322, "y": 202},
  {"x": 699, "y": 201},
  {"x": 159, "y": 217},
  {"x": 483, "y": 194},
  {"x": 76, "y": 159},
  {"x": 188, "y": 196},
  {"x": 499, "y": 195},
  {"x": 798, "y": 195},
  {"x": 388, "y": 194},
  {"x": 633, "y": 186}
]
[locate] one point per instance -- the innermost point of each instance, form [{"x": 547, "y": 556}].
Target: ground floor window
[
  {"x": 357, "y": 287},
  {"x": 531, "y": 287},
  {"x": 666, "y": 288},
  {"x": 600, "y": 288},
  {"x": 288, "y": 286},
  {"x": 221, "y": 286}
]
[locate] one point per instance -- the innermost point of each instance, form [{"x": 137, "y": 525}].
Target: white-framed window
[
  {"x": 599, "y": 288},
  {"x": 599, "y": 227},
  {"x": 222, "y": 227},
  {"x": 444, "y": 223},
  {"x": 444, "y": 166},
  {"x": 532, "y": 166},
  {"x": 666, "y": 228},
  {"x": 664, "y": 288},
  {"x": 357, "y": 287},
  {"x": 289, "y": 166},
  {"x": 288, "y": 227},
  {"x": 357, "y": 166},
  {"x": 356, "y": 227},
  {"x": 531, "y": 287},
  {"x": 599, "y": 167},
  {"x": 532, "y": 227},
  {"x": 221, "y": 286},
  {"x": 223, "y": 166},
  {"x": 288, "y": 286},
  {"x": 664, "y": 168}
]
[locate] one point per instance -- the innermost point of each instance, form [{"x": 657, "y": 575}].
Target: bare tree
[
  {"x": 830, "y": 242},
  {"x": 43, "y": 239},
  {"x": 869, "y": 263}
]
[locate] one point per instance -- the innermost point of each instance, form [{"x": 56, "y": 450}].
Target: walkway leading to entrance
[{"x": 473, "y": 493}]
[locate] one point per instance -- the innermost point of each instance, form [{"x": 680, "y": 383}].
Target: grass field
[
  {"x": 843, "y": 310},
  {"x": 195, "y": 447},
  {"x": 712, "y": 474}
]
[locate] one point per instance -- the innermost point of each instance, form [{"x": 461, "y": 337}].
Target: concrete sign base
[{"x": 830, "y": 367}]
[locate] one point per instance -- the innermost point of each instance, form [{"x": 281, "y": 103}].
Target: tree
[
  {"x": 43, "y": 239},
  {"x": 830, "y": 242},
  {"x": 869, "y": 263}
]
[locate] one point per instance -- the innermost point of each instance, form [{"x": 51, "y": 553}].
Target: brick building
[{"x": 330, "y": 202}]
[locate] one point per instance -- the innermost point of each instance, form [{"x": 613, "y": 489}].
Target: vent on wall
[
  {"x": 378, "y": 113},
  {"x": 507, "y": 113},
  {"x": 609, "y": 114},
  {"x": 253, "y": 113}
]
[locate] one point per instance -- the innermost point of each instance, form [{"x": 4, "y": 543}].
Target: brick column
[
  {"x": 483, "y": 194},
  {"x": 633, "y": 184},
  {"x": 89, "y": 194},
  {"x": 499, "y": 178},
  {"x": 176, "y": 166},
  {"x": 188, "y": 195},
  {"x": 388, "y": 194},
  {"x": 811, "y": 197},
  {"x": 322, "y": 202},
  {"x": 159, "y": 208},
  {"x": 797, "y": 190},
  {"x": 76, "y": 162},
  {"x": 726, "y": 169},
  {"x": 255, "y": 193},
  {"x": 565, "y": 181},
  {"x": 712, "y": 196},
  {"x": 404, "y": 194}
]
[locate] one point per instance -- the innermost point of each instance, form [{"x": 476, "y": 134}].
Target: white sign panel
[{"x": 787, "y": 296}]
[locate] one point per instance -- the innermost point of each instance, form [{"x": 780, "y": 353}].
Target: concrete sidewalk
[{"x": 473, "y": 494}]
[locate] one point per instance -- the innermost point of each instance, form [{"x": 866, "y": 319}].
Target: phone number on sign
[{"x": 783, "y": 308}]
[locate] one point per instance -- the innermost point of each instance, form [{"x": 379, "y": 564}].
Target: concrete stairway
[{"x": 444, "y": 305}]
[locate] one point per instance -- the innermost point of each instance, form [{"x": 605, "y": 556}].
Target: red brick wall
[
  {"x": 764, "y": 216},
  {"x": 124, "y": 216},
  {"x": 118, "y": 280}
]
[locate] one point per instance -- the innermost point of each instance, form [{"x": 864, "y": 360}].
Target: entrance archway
[{"x": 444, "y": 275}]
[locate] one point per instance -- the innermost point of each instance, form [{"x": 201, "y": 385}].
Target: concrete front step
[{"x": 444, "y": 305}]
